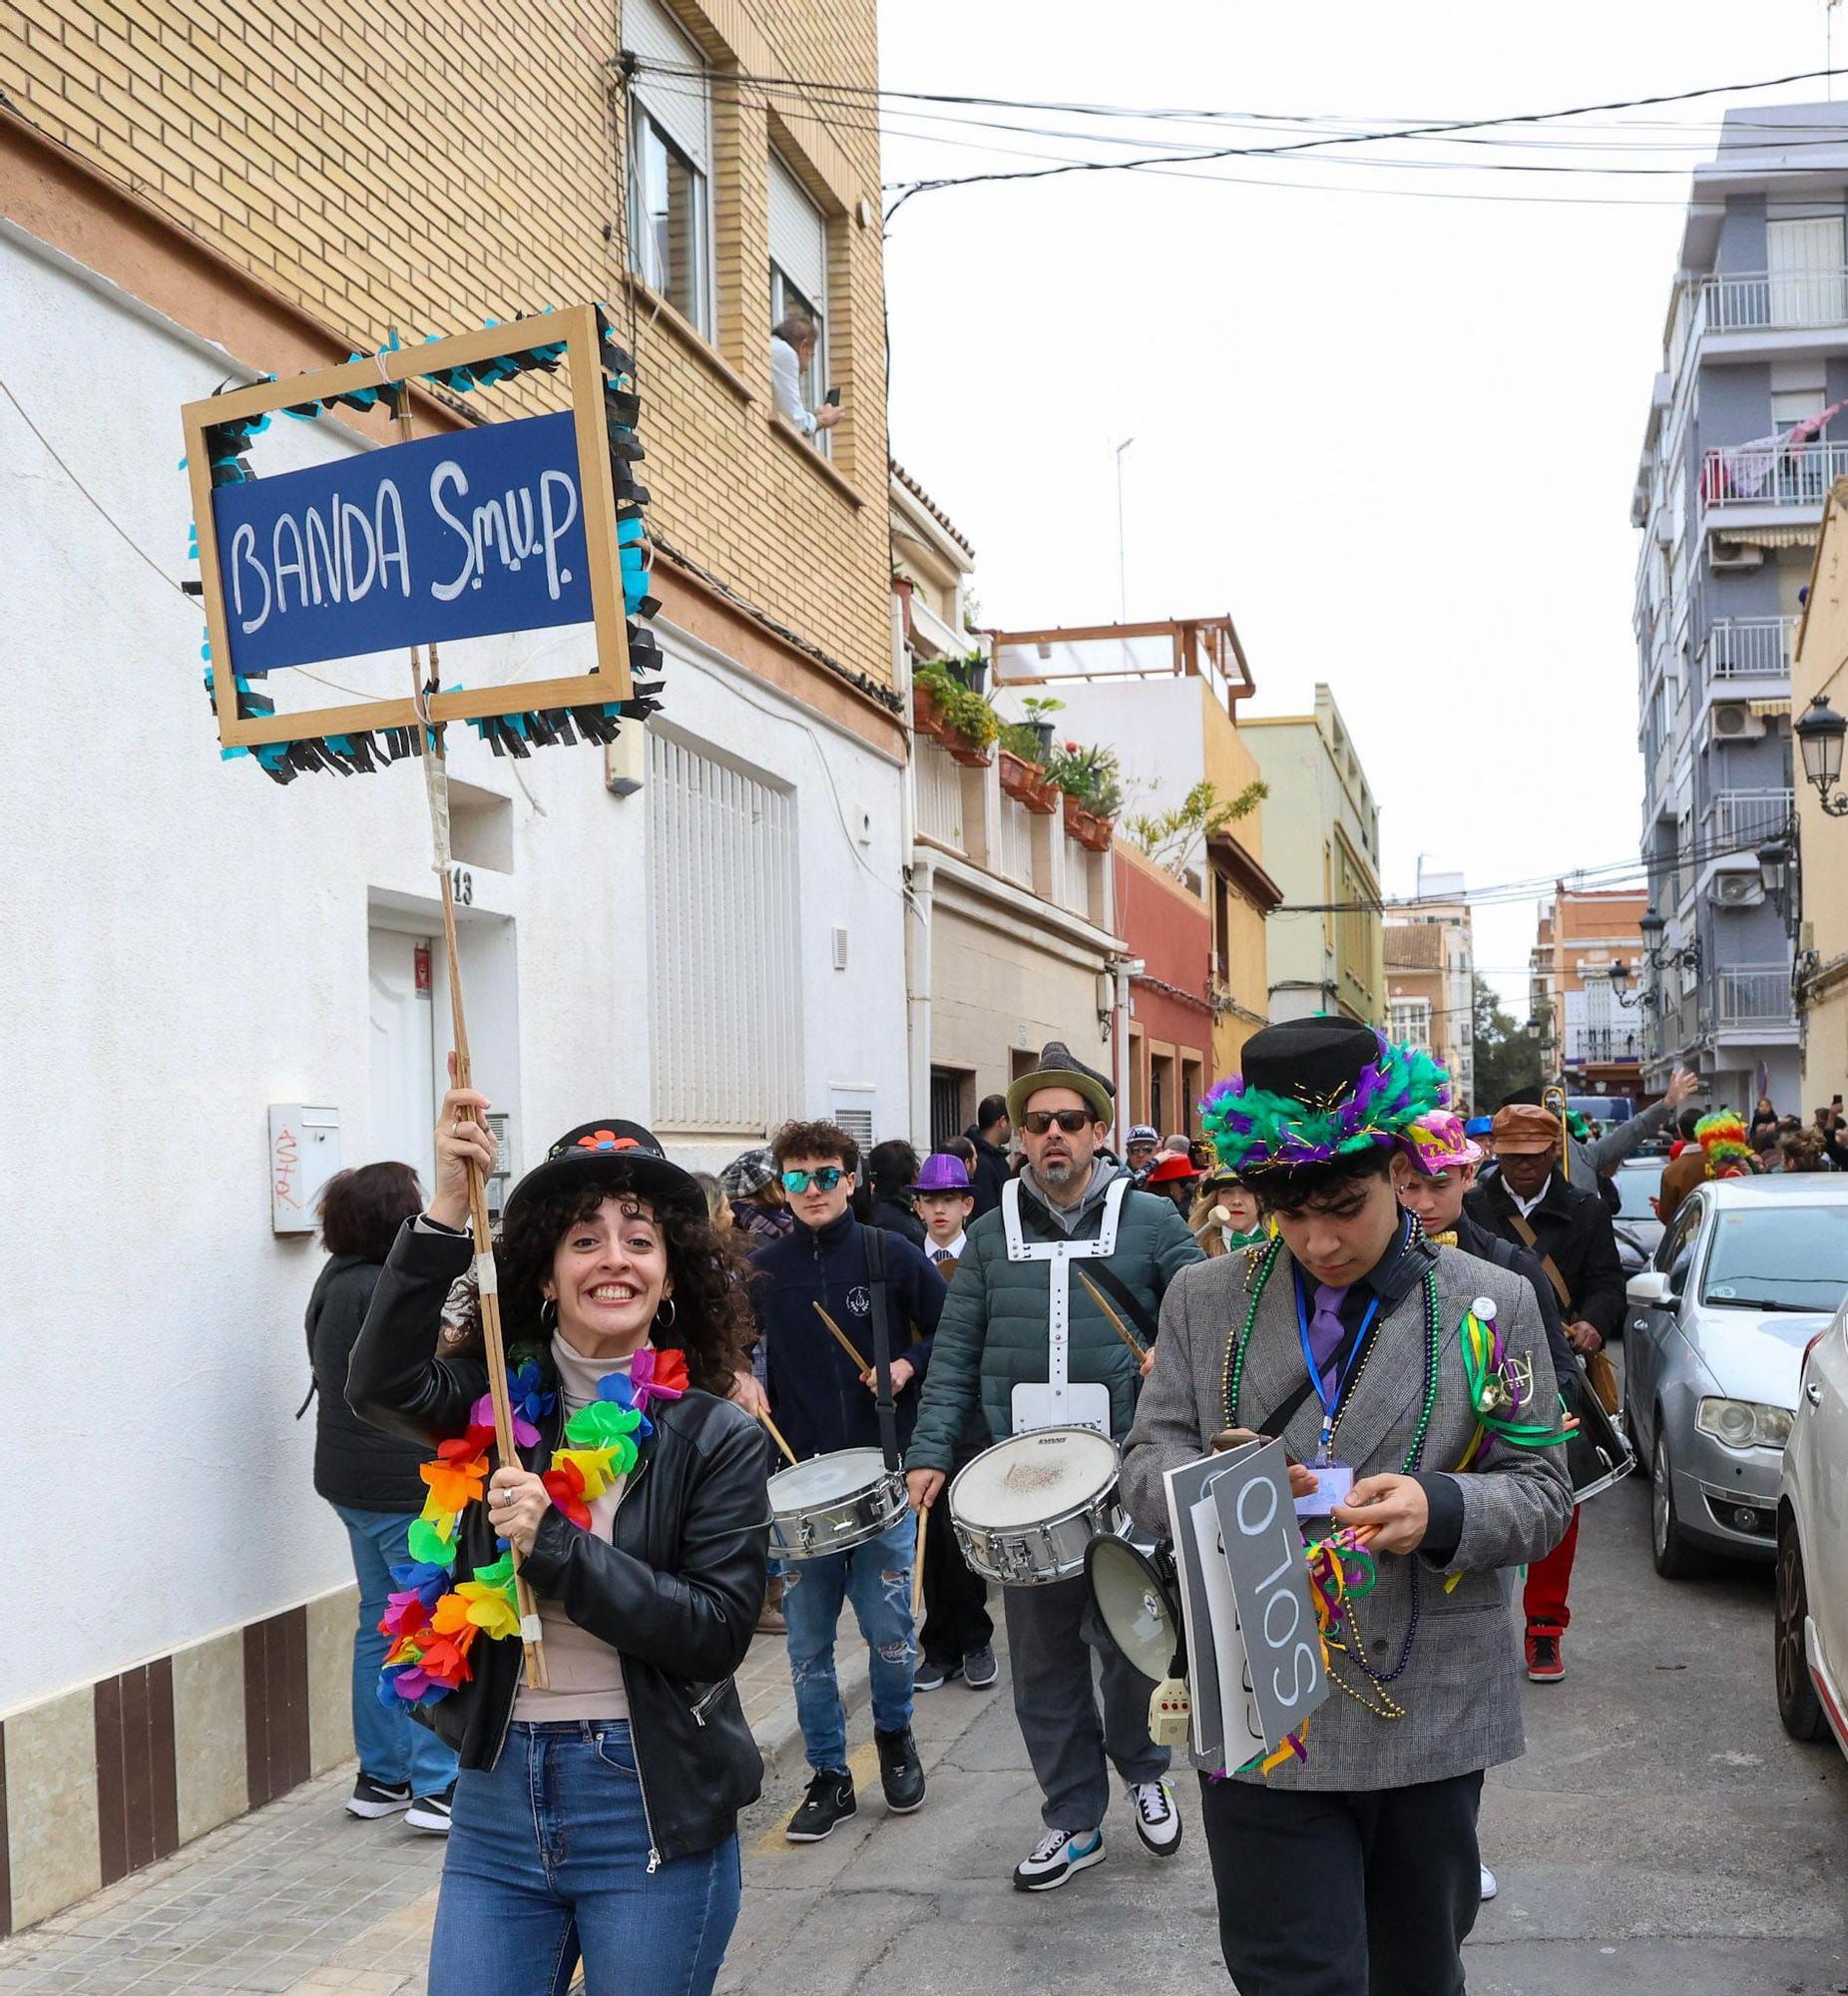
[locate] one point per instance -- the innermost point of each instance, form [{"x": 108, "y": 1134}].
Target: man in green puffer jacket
[{"x": 1025, "y": 1338}]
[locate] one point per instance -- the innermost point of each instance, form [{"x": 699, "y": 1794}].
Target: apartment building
[
  {"x": 1428, "y": 950},
  {"x": 1013, "y": 937},
  {"x": 1746, "y": 431},
  {"x": 198, "y": 194},
  {"x": 1592, "y": 1024},
  {"x": 1326, "y": 941}
]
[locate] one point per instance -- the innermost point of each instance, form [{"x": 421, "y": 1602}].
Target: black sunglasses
[{"x": 1037, "y": 1122}]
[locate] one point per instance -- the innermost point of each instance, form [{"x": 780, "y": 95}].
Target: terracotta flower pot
[{"x": 1028, "y": 785}]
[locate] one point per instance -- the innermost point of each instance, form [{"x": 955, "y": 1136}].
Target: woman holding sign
[
  {"x": 1412, "y": 1389},
  {"x": 595, "y": 1818}
]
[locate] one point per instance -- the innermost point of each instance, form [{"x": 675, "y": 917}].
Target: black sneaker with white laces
[
  {"x": 933, "y": 1676},
  {"x": 901, "y": 1773},
  {"x": 829, "y": 1800},
  {"x": 1158, "y": 1821},
  {"x": 980, "y": 1669},
  {"x": 431, "y": 1812},
  {"x": 371, "y": 1798},
  {"x": 1056, "y": 1856}
]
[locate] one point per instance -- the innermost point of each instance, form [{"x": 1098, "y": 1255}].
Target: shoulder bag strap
[
  {"x": 882, "y": 1347},
  {"x": 1531, "y": 1241}
]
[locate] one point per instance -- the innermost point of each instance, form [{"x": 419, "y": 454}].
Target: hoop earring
[
  {"x": 548, "y": 1325},
  {"x": 665, "y": 1323}
]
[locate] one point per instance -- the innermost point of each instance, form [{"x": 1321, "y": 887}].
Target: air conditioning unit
[
  {"x": 1733, "y": 721},
  {"x": 1736, "y": 891},
  {"x": 1728, "y": 557}
]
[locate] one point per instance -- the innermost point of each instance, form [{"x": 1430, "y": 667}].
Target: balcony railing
[
  {"x": 1601, "y": 1044},
  {"x": 1769, "y": 475},
  {"x": 1782, "y": 301},
  {"x": 940, "y": 796},
  {"x": 1736, "y": 819},
  {"x": 1016, "y": 841},
  {"x": 1747, "y": 648},
  {"x": 1754, "y": 994}
]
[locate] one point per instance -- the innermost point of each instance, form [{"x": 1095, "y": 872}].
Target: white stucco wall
[{"x": 186, "y": 943}]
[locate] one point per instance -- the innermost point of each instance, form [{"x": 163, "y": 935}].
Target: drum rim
[
  {"x": 1058, "y": 1517},
  {"x": 808, "y": 1461}
]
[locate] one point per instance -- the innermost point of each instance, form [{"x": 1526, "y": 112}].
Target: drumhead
[
  {"x": 1136, "y": 1600},
  {"x": 1032, "y": 1478},
  {"x": 825, "y": 1479}
]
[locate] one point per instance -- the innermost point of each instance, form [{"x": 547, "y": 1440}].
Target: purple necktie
[{"x": 1325, "y": 1327}]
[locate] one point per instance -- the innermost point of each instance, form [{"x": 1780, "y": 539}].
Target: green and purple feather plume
[{"x": 1252, "y": 1130}]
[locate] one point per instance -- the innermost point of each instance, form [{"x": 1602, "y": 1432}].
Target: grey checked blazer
[{"x": 1461, "y": 1689}]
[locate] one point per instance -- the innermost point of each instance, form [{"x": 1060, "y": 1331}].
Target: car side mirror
[{"x": 1650, "y": 1291}]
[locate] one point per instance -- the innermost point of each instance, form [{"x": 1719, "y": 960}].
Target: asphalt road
[{"x": 1662, "y": 1836}]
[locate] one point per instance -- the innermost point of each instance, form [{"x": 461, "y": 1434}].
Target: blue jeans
[
  {"x": 876, "y": 1576},
  {"x": 392, "y": 1746},
  {"x": 547, "y": 1860}
]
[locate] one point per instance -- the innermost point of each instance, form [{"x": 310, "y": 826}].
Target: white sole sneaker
[
  {"x": 377, "y": 1803},
  {"x": 1050, "y": 1882},
  {"x": 431, "y": 1815},
  {"x": 1489, "y": 1886},
  {"x": 1157, "y": 1846}
]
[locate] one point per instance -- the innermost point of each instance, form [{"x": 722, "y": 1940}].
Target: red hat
[{"x": 1170, "y": 1170}]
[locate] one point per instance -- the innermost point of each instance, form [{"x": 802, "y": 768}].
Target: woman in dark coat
[{"x": 370, "y": 1478}]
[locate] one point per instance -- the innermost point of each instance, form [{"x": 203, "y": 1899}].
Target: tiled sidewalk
[{"x": 300, "y": 1899}]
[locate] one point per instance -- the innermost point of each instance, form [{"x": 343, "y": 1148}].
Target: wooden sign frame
[{"x": 577, "y": 328}]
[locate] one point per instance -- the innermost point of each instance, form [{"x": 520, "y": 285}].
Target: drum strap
[
  {"x": 1531, "y": 1241},
  {"x": 1126, "y": 1300},
  {"x": 874, "y": 1239}
]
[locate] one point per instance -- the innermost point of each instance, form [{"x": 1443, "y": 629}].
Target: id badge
[{"x": 1333, "y": 1482}]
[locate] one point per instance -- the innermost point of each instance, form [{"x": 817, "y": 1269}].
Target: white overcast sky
[{"x": 1395, "y": 438}]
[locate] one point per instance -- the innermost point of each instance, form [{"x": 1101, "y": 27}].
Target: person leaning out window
[{"x": 792, "y": 351}]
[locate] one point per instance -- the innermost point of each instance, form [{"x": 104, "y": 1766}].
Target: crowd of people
[{"x": 547, "y": 1645}]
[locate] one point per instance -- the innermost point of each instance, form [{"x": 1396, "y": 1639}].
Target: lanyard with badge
[{"x": 1333, "y": 1478}]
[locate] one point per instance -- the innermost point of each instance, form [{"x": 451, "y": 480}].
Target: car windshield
[
  {"x": 1778, "y": 1255},
  {"x": 1636, "y": 1187}
]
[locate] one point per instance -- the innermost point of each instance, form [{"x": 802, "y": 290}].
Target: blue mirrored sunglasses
[{"x": 825, "y": 1177}]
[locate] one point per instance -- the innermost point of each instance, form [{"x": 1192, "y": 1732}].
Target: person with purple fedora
[{"x": 958, "y": 1635}]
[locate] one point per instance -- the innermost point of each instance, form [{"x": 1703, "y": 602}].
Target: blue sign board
[{"x": 456, "y": 536}]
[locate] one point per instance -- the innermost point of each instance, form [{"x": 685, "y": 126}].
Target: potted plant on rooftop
[{"x": 1093, "y": 787}]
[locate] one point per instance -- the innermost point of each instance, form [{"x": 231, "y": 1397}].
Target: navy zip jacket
[{"x": 816, "y": 1398}]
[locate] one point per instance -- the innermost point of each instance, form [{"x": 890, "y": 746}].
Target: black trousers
[
  {"x": 1355, "y": 1892},
  {"x": 956, "y": 1619}
]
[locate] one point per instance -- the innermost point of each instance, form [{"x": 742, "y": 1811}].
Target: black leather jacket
[{"x": 677, "y": 1593}]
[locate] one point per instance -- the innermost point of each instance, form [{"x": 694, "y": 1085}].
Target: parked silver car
[
  {"x": 1812, "y": 1647},
  {"x": 1748, "y": 1273}
]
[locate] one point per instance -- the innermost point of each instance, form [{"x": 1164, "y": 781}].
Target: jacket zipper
[
  {"x": 622, "y": 1666},
  {"x": 706, "y": 1704}
]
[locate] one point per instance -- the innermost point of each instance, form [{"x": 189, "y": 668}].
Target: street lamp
[
  {"x": 1774, "y": 868},
  {"x": 1652, "y": 927},
  {"x": 1819, "y": 735},
  {"x": 1618, "y": 975}
]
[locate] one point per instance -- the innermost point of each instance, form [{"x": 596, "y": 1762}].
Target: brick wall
[{"x": 432, "y": 165}]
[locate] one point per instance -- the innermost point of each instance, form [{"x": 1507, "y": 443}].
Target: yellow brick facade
[{"x": 428, "y": 167}]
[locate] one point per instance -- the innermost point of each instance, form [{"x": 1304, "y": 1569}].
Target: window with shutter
[
  {"x": 726, "y": 1005},
  {"x": 669, "y": 161},
  {"x": 799, "y": 274}
]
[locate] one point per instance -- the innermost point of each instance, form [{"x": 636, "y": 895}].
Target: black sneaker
[
  {"x": 829, "y": 1800},
  {"x": 431, "y": 1812},
  {"x": 372, "y": 1798},
  {"x": 980, "y": 1669},
  {"x": 901, "y": 1773},
  {"x": 933, "y": 1676}
]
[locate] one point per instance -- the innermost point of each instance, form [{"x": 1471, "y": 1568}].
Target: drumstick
[
  {"x": 1116, "y": 1323},
  {"x": 917, "y": 1571},
  {"x": 776, "y": 1438},
  {"x": 842, "y": 1340}
]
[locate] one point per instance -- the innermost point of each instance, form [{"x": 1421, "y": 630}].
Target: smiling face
[
  {"x": 609, "y": 1277},
  {"x": 1241, "y": 1208},
  {"x": 1341, "y": 1235}
]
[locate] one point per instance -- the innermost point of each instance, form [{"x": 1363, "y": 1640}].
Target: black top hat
[
  {"x": 594, "y": 1147},
  {"x": 1312, "y": 1061}
]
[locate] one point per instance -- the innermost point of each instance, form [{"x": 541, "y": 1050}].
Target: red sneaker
[{"x": 1544, "y": 1664}]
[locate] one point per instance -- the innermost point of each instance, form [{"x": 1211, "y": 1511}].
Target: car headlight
[{"x": 1743, "y": 1424}]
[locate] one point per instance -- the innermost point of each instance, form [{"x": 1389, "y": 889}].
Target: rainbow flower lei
[{"x": 433, "y": 1619}]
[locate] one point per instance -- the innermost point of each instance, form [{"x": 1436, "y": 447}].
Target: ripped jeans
[{"x": 876, "y": 1576}]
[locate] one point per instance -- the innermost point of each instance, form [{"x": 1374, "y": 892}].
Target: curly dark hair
[
  {"x": 1308, "y": 1187},
  {"x": 712, "y": 1321}
]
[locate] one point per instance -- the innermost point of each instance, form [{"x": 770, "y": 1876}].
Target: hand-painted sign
[{"x": 457, "y": 535}]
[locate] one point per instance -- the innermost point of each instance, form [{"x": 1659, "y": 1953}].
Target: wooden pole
[{"x": 436, "y": 786}]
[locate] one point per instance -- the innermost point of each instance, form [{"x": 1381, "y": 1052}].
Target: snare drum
[
  {"x": 832, "y": 1502},
  {"x": 1025, "y": 1510}
]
